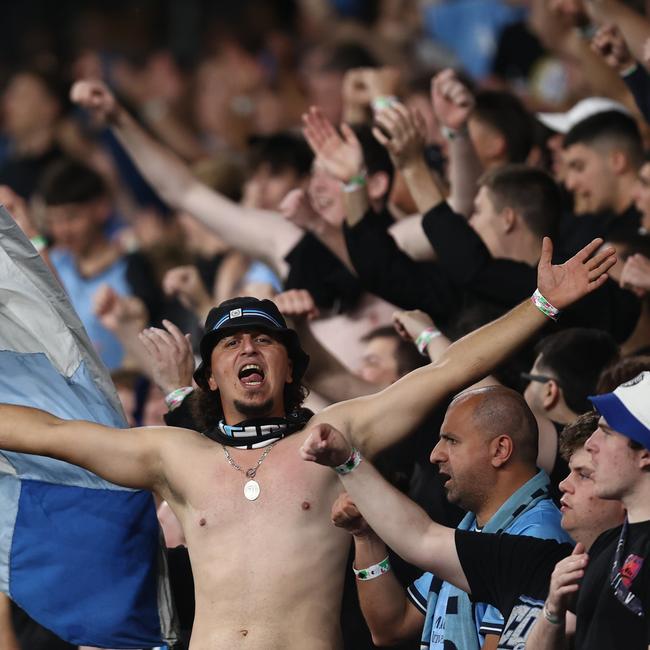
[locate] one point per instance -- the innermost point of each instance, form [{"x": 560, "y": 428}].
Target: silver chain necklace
[{"x": 252, "y": 487}]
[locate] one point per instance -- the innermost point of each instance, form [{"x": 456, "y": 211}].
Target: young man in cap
[
  {"x": 613, "y": 582},
  {"x": 255, "y": 519}
]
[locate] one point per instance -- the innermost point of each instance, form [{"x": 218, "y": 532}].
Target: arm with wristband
[
  {"x": 378, "y": 421},
  {"x": 400, "y": 522},
  {"x": 390, "y": 615},
  {"x": 453, "y": 103}
]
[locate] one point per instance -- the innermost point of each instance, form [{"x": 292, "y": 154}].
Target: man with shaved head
[{"x": 487, "y": 460}]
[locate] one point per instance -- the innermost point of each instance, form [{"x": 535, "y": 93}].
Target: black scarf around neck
[{"x": 259, "y": 432}]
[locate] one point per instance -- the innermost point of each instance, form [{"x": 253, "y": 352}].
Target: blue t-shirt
[
  {"x": 81, "y": 292},
  {"x": 542, "y": 521}
]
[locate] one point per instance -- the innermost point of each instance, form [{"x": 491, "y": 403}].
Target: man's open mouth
[{"x": 251, "y": 375}]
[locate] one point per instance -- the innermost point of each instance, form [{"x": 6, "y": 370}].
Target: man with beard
[{"x": 255, "y": 518}]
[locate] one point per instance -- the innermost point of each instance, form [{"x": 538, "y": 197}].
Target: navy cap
[{"x": 248, "y": 313}]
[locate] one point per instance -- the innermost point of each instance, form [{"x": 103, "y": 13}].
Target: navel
[
  {"x": 243, "y": 632},
  {"x": 306, "y": 505}
]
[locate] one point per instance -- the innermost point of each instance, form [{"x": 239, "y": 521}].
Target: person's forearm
[
  {"x": 127, "y": 457},
  {"x": 603, "y": 80},
  {"x": 407, "y": 233},
  {"x": 326, "y": 374},
  {"x": 477, "y": 354},
  {"x": 8, "y": 640},
  {"x": 546, "y": 635},
  {"x": 26, "y": 430},
  {"x": 356, "y": 205},
  {"x": 464, "y": 171},
  {"x": 383, "y": 600},
  {"x": 258, "y": 233},
  {"x": 402, "y": 406},
  {"x": 403, "y": 525},
  {"x": 426, "y": 190},
  {"x": 634, "y": 26}
]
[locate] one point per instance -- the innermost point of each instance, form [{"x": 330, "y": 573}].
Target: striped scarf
[{"x": 260, "y": 432}]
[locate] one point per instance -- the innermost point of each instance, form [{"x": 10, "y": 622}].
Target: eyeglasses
[{"x": 542, "y": 379}]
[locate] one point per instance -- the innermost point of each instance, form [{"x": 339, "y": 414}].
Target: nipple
[
  {"x": 202, "y": 521},
  {"x": 306, "y": 505}
]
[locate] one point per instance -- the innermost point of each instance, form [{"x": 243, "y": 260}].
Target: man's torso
[{"x": 269, "y": 572}]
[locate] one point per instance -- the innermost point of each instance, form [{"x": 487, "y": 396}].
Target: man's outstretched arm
[
  {"x": 378, "y": 421},
  {"x": 258, "y": 233},
  {"x": 128, "y": 457},
  {"x": 408, "y": 530}
]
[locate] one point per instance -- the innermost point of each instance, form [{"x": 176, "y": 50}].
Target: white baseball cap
[
  {"x": 627, "y": 409},
  {"x": 564, "y": 122}
]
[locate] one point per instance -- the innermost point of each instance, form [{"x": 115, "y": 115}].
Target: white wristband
[{"x": 373, "y": 571}]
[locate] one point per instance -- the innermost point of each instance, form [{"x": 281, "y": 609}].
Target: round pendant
[{"x": 251, "y": 490}]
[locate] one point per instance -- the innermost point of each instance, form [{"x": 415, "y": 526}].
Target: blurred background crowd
[{"x": 533, "y": 120}]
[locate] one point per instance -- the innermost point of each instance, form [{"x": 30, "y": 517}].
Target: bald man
[{"x": 486, "y": 456}]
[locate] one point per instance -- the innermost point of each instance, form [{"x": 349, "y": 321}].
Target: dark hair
[
  {"x": 282, "y": 152},
  {"x": 618, "y": 373},
  {"x": 531, "y": 192},
  {"x": 575, "y": 434},
  {"x": 207, "y": 410},
  {"x": 611, "y": 128},
  {"x": 375, "y": 155},
  {"x": 576, "y": 357},
  {"x": 406, "y": 354},
  {"x": 347, "y": 56},
  {"x": 506, "y": 113},
  {"x": 70, "y": 181}
]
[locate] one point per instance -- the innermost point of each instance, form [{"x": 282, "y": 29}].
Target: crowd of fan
[{"x": 226, "y": 178}]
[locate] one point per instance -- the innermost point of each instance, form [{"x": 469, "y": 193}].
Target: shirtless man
[{"x": 269, "y": 571}]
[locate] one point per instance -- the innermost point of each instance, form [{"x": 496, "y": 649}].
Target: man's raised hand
[
  {"x": 410, "y": 324},
  {"x": 402, "y": 133},
  {"x": 563, "y": 284},
  {"x": 452, "y": 100},
  {"x": 609, "y": 43},
  {"x": 325, "y": 445},
  {"x": 341, "y": 156},
  {"x": 297, "y": 304},
  {"x": 170, "y": 362},
  {"x": 95, "y": 97}
]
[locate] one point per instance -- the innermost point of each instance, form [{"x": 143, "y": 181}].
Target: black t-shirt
[
  {"x": 511, "y": 572},
  {"x": 314, "y": 267},
  {"x": 577, "y": 231},
  {"x": 604, "y": 622}
]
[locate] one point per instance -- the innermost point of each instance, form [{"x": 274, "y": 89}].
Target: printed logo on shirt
[
  {"x": 631, "y": 569},
  {"x": 520, "y": 623}
]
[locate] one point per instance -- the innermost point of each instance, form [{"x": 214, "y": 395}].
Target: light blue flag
[{"x": 80, "y": 555}]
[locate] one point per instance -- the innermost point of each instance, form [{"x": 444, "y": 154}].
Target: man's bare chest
[{"x": 286, "y": 491}]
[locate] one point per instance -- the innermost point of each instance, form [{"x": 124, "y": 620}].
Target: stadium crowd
[{"x": 405, "y": 239}]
